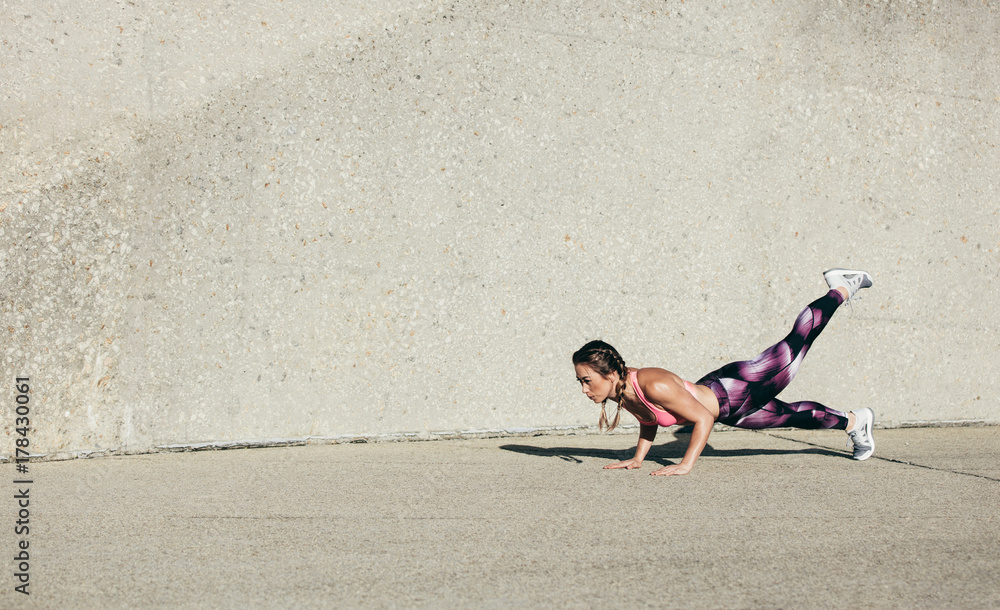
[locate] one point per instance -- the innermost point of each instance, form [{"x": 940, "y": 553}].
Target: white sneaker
[
  {"x": 861, "y": 435},
  {"x": 850, "y": 279}
]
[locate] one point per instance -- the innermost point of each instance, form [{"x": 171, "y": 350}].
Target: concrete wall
[{"x": 247, "y": 220}]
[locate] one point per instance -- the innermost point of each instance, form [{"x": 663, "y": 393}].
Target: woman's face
[{"x": 596, "y": 386}]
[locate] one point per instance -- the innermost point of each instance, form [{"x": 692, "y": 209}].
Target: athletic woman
[{"x": 740, "y": 394}]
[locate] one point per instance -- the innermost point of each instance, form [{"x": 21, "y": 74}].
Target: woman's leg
[
  {"x": 750, "y": 386},
  {"x": 777, "y": 414}
]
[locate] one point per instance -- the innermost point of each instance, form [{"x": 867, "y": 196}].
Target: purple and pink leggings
[{"x": 747, "y": 390}]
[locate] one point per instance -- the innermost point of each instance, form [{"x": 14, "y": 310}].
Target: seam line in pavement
[{"x": 885, "y": 459}]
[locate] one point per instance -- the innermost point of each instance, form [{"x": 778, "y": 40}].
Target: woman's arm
[
  {"x": 699, "y": 438},
  {"x": 646, "y": 435},
  {"x": 667, "y": 390}
]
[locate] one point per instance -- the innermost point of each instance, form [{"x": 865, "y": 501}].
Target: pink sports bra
[{"x": 663, "y": 418}]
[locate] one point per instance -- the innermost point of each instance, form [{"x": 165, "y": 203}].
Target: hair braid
[{"x": 622, "y": 371}]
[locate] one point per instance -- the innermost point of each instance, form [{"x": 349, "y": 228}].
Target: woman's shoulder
[
  {"x": 652, "y": 373},
  {"x": 661, "y": 379}
]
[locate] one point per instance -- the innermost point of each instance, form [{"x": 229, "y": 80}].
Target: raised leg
[{"x": 748, "y": 385}]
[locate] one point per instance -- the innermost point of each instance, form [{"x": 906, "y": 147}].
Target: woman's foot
[
  {"x": 861, "y": 434},
  {"x": 849, "y": 279}
]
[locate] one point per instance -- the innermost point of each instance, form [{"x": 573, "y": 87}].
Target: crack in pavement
[{"x": 886, "y": 459}]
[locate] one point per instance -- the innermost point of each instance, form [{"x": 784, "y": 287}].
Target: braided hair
[{"x": 604, "y": 360}]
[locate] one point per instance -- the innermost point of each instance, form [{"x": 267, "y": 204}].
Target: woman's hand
[
  {"x": 672, "y": 470},
  {"x": 627, "y": 464}
]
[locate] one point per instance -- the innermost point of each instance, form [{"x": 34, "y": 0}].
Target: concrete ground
[{"x": 775, "y": 519}]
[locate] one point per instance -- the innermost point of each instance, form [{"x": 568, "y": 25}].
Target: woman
[{"x": 740, "y": 394}]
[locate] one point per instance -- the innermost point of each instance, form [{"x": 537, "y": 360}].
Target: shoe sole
[
  {"x": 865, "y": 283},
  {"x": 868, "y": 429}
]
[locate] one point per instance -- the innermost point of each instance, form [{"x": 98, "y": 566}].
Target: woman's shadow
[{"x": 663, "y": 454}]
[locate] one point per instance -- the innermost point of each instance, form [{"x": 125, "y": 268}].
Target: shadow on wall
[{"x": 665, "y": 454}]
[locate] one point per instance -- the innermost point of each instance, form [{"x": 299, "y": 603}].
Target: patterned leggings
[{"x": 746, "y": 390}]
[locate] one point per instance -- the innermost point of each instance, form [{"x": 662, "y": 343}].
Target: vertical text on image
[{"x": 22, "y": 484}]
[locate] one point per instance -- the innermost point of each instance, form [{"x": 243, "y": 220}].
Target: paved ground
[{"x": 777, "y": 519}]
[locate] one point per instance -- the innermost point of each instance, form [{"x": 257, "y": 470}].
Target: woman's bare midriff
[{"x": 708, "y": 399}]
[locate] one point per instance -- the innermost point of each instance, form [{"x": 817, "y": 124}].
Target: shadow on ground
[{"x": 663, "y": 454}]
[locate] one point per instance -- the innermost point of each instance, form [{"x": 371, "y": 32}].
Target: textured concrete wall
[{"x": 248, "y": 220}]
